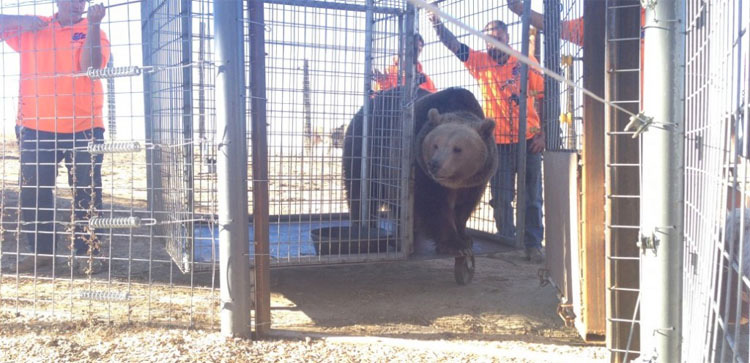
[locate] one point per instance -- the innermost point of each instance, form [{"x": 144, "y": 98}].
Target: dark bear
[{"x": 455, "y": 153}]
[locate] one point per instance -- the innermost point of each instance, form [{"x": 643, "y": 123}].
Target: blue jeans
[
  {"x": 40, "y": 153},
  {"x": 503, "y": 191}
]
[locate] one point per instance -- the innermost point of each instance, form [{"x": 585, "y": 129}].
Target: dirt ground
[
  {"x": 398, "y": 311},
  {"x": 403, "y": 311}
]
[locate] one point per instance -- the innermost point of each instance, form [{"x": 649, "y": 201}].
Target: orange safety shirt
[
  {"x": 51, "y": 96},
  {"x": 390, "y": 79},
  {"x": 501, "y": 88}
]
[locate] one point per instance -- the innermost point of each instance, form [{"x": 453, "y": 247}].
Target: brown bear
[{"x": 455, "y": 153}]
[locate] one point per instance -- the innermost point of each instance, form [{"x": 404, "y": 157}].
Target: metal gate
[{"x": 716, "y": 288}]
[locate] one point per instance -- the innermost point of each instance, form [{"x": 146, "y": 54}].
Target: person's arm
[
  {"x": 91, "y": 55},
  {"x": 448, "y": 39},
  {"x": 536, "y": 20},
  {"x": 20, "y": 24}
]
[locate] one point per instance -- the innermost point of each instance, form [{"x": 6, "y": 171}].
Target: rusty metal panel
[{"x": 561, "y": 222}]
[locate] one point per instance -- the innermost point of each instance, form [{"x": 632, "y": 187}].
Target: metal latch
[{"x": 639, "y": 123}]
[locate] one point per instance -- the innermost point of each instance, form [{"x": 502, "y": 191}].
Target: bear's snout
[{"x": 434, "y": 166}]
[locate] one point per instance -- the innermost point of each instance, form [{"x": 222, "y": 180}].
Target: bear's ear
[
  {"x": 486, "y": 128},
  {"x": 433, "y": 115}
]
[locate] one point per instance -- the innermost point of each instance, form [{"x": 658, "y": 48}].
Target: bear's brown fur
[{"x": 455, "y": 155}]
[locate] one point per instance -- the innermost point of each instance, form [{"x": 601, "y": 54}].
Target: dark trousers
[
  {"x": 503, "y": 192},
  {"x": 40, "y": 153}
]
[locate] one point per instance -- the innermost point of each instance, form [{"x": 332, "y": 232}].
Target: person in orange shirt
[
  {"x": 59, "y": 114},
  {"x": 572, "y": 30},
  {"x": 389, "y": 79},
  {"x": 499, "y": 76}
]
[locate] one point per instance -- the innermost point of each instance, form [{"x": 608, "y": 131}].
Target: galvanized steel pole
[
  {"x": 662, "y": 179},
  {"x": 231, "y": 170},
  {"x": 364, "y": 189},
  {"x": 522, "y": 144}
]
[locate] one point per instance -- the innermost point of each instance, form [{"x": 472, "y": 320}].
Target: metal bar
[
  {"x": 615, "y": 40},
  {"x": 552, "y": 86},
  {"x": 616, "y": 226},
  {"x": 521, "y": 175},
  {"x": 187, "y": 124},
  {"x": 628, "y": 321},
  {"x": 364, "y": 195},
  {"x": 202, "y": 82},
  {"x": 624, "y": 70},
  {"x": 232, "y": 170},
  {"x": 662, "y": 173},
  {"x": 121, "y": 4},
  {"x": 259, "y": 136},
  {"x": 570, "y": 137},
  {"x": 408, "y": 30},
  {"x": 337, "y": 6},
  {"x": 614, "y": 258},
  {"x": 614, "y": 165}
]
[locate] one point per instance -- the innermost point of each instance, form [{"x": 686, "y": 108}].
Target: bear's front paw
[
  {"x": 442, "y": 249},
  {"x": 467, "y": 242}
]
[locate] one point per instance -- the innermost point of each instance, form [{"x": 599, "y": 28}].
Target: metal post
[
  {"x": 662, "y": 178},
  {"x": 552, "y": 62},
  {"x": 407, "y": 28},
  {"x": 364, "y": 195},
  {"x": 234, "y": 260},
  {"x": 187, "y": 130},
  {"x": 521, "y": 177},
  {"x": 260, "y": 166}
]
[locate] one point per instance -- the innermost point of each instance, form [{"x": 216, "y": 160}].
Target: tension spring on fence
[
  {"x": 114, "y": 147},
  {"x": 103, "y": 295},
  {"x": 120, "y": 222},
  {"x": 113, "y": 72}
]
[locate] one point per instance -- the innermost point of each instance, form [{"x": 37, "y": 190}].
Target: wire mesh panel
[
  {"x": 178, "y": 120},
  {"x": 316, "y": 72},
  {"x": 563, "y": 114},
  {"x": 716, "y": 286},
  {"x": 622, "y": 156},
  {"x": 99, "y": 192}
]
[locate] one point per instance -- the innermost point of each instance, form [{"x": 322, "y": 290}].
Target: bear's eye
[
  {"x": 434, "y": 147},
  {"x": 456, "y": 149}
]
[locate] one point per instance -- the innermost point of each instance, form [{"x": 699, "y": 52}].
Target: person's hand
[
  {"x": 377, "y": 75},
  {"x": 537, "y": 143},
  {"x": 30, "y": 23},
  {"x": 516, "y": 6},
  {"x": 433, "y": 17},
  {"x": 95, "y": 14}
]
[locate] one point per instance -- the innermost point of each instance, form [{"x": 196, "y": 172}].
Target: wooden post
[
  {"x": 592, "y": 155},
  {"x": 260, "y": 167}
]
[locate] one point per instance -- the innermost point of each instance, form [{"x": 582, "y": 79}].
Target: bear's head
[{"x": 458, "y": 151}]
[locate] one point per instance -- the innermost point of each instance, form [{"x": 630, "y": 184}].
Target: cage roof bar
[{"x": 335, "y": 6}]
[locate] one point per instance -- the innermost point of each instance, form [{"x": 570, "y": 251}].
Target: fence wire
[
  {"x": 716, "y": 286},
  {"x": 94, "y": 211}
]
